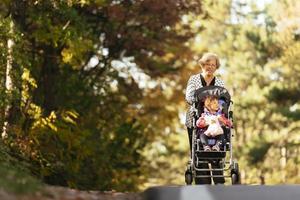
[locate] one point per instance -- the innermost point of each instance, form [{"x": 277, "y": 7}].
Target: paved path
[
  {"x": 221, "y": 192},
  {"x": 195, "y": 192}
]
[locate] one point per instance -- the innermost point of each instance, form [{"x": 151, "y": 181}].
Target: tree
[{"x": 81, "y": 103}]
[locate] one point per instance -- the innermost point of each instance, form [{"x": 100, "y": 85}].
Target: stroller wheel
[
  {"x": 235, "y": 179},
  {"x": 188, "y": 177},
  {"x": 235, "y": 174}
]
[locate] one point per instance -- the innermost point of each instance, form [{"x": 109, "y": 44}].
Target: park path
[{"x": 62, "y": 193}]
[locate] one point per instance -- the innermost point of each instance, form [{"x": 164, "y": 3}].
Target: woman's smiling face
[{"x": 209, "y": 67}]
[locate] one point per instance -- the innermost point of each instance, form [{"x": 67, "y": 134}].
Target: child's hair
[{"x": 211, "y": 103}]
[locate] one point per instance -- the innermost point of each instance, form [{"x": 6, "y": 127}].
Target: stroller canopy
[{"x": 218, "y": 91}]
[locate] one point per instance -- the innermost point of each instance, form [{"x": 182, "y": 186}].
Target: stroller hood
[{"x": 218, "y": 91}]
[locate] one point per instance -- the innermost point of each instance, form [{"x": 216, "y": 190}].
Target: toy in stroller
[{"x": 221, "y": 164}]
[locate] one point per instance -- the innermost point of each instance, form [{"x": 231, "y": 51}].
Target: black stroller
[{"x": 227, "y": 167}]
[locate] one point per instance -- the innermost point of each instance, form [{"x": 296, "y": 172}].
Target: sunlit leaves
[
  {"x": 89, "y": 123},
  {"x": 70, "y": 116},
  {"x": 42, "y": 122}
]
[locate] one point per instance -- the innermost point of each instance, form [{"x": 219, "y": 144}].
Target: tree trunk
[
  {"x": 283, "y": 162},
  {"x": 48, "y": 82},
  {"x": 8, "y": 82}
]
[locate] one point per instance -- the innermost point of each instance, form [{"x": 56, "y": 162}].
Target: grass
[{"x": 15, "y": 176}]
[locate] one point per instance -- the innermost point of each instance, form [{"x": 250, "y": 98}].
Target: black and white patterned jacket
[{"x": 193, "y": 84}]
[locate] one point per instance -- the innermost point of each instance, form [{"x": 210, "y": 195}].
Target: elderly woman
[{"x": 209, "y": 63}]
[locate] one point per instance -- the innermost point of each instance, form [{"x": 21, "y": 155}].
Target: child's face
[{"x": 212, "y": 104}]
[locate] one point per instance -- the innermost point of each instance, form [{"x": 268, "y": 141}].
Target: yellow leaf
[{"x": 67, "y": 55}]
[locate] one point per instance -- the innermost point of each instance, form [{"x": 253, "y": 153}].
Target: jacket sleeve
[{"x": 190, "y": 91}]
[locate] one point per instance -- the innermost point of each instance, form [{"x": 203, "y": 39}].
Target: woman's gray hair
[{"x": 208, "y": 56}]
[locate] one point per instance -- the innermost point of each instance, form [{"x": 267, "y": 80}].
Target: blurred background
[{"x": 92, "y": 91}]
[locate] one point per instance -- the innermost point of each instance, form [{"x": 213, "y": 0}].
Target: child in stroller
[
  {"x": 210, "y": 124},
  {"x": 216, "y": 164}
]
